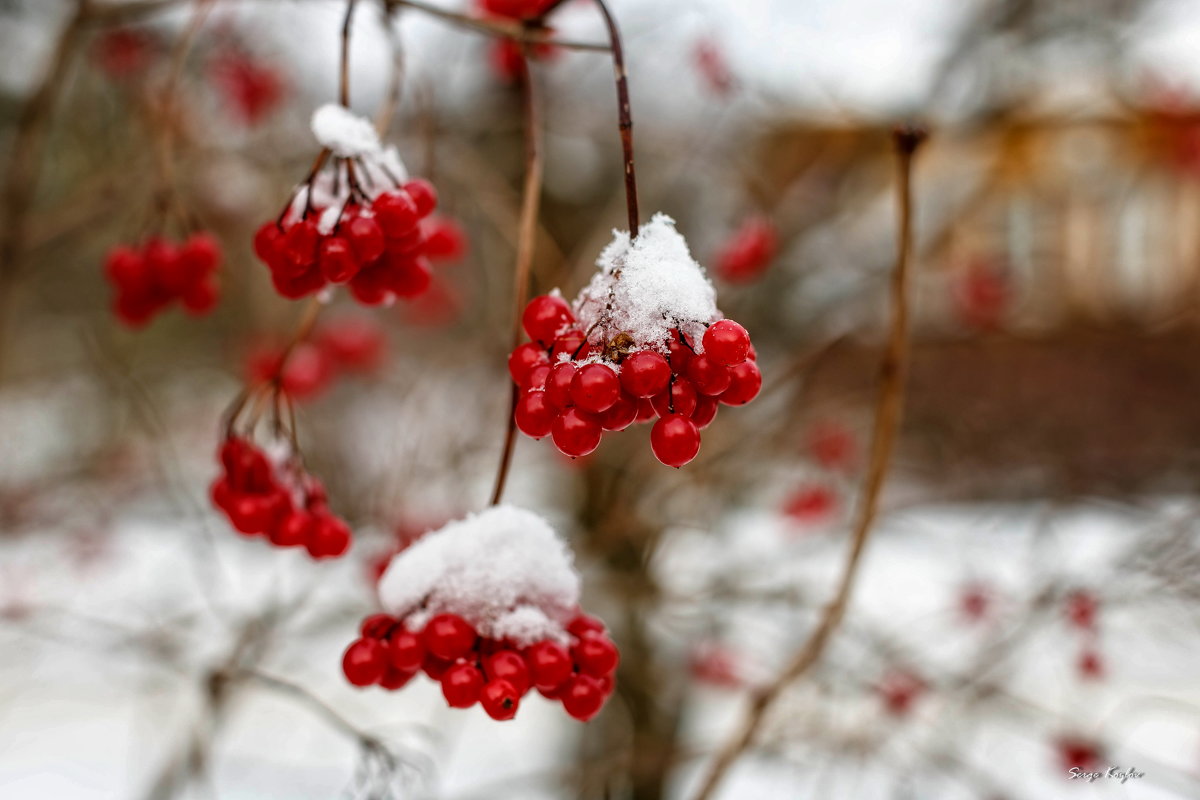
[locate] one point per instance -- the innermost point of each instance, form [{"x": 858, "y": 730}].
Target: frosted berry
[
  {"x": 449, "y": 636},
  {"x": 595, "y": 388},
  {"x": 645, "y": 373},
  {"x": 745, "y": 385},
  {"x": 500, "y": 699},
  {"x": 675, "y": 440},
  {"x": 364, "y": 662},
  {"x": 544, "y": 316},
  {"x": 461, "y": 685},
  {"x": 726, "y": 342},
  {"x": 576, "y": 433}
]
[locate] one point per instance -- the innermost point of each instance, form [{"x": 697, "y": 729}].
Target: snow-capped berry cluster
[
  {"x": 151, "y": 276},
  {"x": 488, "y": 607},
  {"x": 643, "y": 339},
  {"x": 269, "y": 493},
  {"x": 359, "y": 224}
]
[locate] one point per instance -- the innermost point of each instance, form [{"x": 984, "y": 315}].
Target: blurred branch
[
  {"x": 887, "y": 422},
  {"x": 624, "y": 116}
]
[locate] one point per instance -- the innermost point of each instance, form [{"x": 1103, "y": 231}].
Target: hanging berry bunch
[
  {"x": 358, "y": 224},
  {"x": 150, "y": 277},
  {"x": 487, "y": 606},
  {"x": 644, "y": 339}
]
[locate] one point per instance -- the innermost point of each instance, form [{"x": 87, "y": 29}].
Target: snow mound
[
  {"x": 647, "y": 288},
  {"x": 504, "y": 570},
  {"x": 346, "y": 134}
]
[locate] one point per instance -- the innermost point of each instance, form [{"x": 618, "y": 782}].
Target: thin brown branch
[
  {"x": 624, "y": 116},
  {"x": 888, "y": 410},
  {"x": 391, "y": 101},
  {"x": 344, "y": 72},
  {"x": 499, "y": 27},
  {"x": 526, "y": 243}
]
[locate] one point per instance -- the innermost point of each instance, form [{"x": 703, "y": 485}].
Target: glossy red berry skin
[
  {"x": 435, "y": 667},
  {"x": 376, "y": 626},
  {"x": 337, "y": 260},
  {"x": 595, "y": 388},
  {"x": 681, "y": 399},
  {"x": 595, "y": 655},
  {"x": 364, "y": 662},
  {"x": 329, "y": 537},
  {"x": 726, "y": 342},
  {"x": 549, "y": 665},
  {"x": 500, "y": 699},
  {"x": 393, "y": 679},
  {"x": 365, "y": 237},
  {"x": 675, "y": 440},
  {"x": 406, "y": 650},
  {"x": 570, "y": 344},
  {"x": 423, "y": 195},
  {"x": 744, "y": 386},
  {"x": 576, "y": 433},
  {"x": 449, "y": 636},
  {"x": 621, "y": 415},
  {"x": 544, "y": 316},
  {"x": 706, "y": 411},
  {"x": 583, "y": 697},
  {"x": 293, "y": 530},
  {"x": 301, "y": 241},
  {"x": 536, "y": 379},
  {"x": 507, "y": 665},
  {"x": 461, "y": 685},
  {"x": 708, "y": 376},
  {"x": 584, "y": 623},
  {"x": 396, "y": 213},
  {"x": 523, "y": 360},
  {"x": 534, "y": 415},
  {"x": 558, "y": 384},
  {"x": 645, "y": 373},
  {"x": 445, "y": 239}
]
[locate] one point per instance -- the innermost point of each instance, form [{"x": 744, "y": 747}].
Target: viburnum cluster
[
  {"x": 267, "y": 492},
  {"x": 487, "y": 606},
  {"x": 359, "y": 223},
  {"x": 644, "y": 339},
  {"x": 150, "y": 277}
]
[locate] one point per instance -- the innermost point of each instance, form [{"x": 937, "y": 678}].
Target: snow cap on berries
[
  {"x": 652, "y": 285},
  {"x": 504, "y": 570},
  {"x": 346, "y": 134}
]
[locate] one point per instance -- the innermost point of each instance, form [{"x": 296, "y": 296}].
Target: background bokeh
[{"x": 1028, "y": 601}]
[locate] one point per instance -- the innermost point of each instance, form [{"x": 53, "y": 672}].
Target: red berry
[
  {"x": 354, "y": 342},
  {"x": 461, "y": 685},
  {"x": 125, "y": 267},
  {"x": 365, "y": 237},
  {"x": 645, "y": 411},
  {"x": 679, "y": 353},
  {"x": 423, "y": 195},
  {"x": 535, "y": 381},
  {"x": 394, "y": 679},
  {"x": 749, "y": 252},
  {"x": 576, "y": 433},
  {"x": 337, "y": 261},
  {"x": 200, "y": 298},
  {"x": 268, "y": 243},
  {"x": 329, "y": 536},
  {"x": 406, "y": 650},
  {"x": 549, "y": 665},
  {"x": 449, "y": 636},
  {"x": 747, "y": 380},
  {"x": 369, "y": 286},
  {"x": 508, "y": 665},
  {"x": 534, "y": 415},
  {"x": 500, "y": 699},
  {"x": 675, "y": 440},
  {"x": 409, "y": 276},
  {"x": 377, "y": 626},
  {"x": 595, "y": 655},
  {"x": 570, "y": 343},
  {"x": 583, "y": 697},
  {"x": 558, "y": 384},
  {"x": 706, "y": 411},
  {"x": 301, "y": 242},
  {"x": 1081, "y": 609},
  {"x": 293, "y": 530},
  {"x": 435, "y": 667},
  {"x": 296, "y": 286},
  {"x": 396, "y": 212},
  {"x": 364, "y": 662},
  {"x": 544, "y": 316},
  {"x": 1079, "y": 753},
  {"x": 523, "y": 359},
  {"x": 681, "y": 399},
  {"x": 199, "y": 255},
  {"x": 726, "y": 342},
  {"x": 595, "y": 388},
  {"x": 584, "y": 623},
  {"x": 256, "y": 513},
  {"x": 708, "y": 376},
  {"x": 645, "y": 373},
  {"x": 445, "y": 239},
  {"x": 621, "y": 415}
]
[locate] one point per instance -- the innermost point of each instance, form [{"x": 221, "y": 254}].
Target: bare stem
[
  {"x": 624, "y": 116},
  {"x": 344, "y": 74},
  {"x": 526, "y": 241},
  {"x": 888, "y": 409}
]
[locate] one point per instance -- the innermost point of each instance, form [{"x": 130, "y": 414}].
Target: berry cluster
[
  {"x": 574, "y": 390},
  {"x": 494, "y": 673},
  {"x": 746, "y": 255},
  {"x": 250, "y": 89},
  {"x": 276, "y": 498},
  {"x": 375, "y": 245},
  {"x": 150, "y": 277}
]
